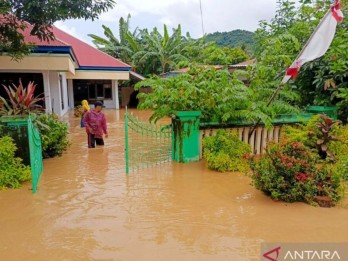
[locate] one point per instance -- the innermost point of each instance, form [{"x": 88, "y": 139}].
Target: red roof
[
  {"x": 28, "y": 38},
  {"x": 87, "y": 55}
]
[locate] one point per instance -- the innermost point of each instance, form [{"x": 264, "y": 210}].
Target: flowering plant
[
  {"x": 21, "y": 100},
  {"x": 290, "y": 172}
]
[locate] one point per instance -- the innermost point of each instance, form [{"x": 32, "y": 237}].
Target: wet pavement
[{"x": 86, "y": 208}]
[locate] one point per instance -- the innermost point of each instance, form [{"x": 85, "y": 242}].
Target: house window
[{"x": 100, "y": 90}]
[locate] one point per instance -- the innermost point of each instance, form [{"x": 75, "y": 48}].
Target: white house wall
[
  {"x": 56, "y": 96},
  {"x": 64, "y": 95}
]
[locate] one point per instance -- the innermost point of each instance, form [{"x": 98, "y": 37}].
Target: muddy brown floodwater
[{"x": 86, "y": 208}]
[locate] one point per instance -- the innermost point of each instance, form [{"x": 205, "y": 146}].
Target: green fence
[
  {"x": 28, "y": 141},
  {"x": 35, "y": 154},
  {"x": 146, "y": 144}
]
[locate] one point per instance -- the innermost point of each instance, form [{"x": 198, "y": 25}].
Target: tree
[
  {"x": 123, "y": 48},
  {"x": 279, "y": 41},
  {"x": 41, "y": 14},
  {"x": 165, "y": 50},
  {"x": 218, "y": 94}
]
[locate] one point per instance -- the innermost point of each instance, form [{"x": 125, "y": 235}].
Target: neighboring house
[
  {"x": 186, "y": 69},
  {"x": 241, "y": 66},
  {"x": 67, "y": 71}
]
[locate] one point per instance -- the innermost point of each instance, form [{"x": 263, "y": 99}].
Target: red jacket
[{"x": 96, "y": 121}]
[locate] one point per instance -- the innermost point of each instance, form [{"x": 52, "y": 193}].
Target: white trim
[{"x": 99, "y": 75}]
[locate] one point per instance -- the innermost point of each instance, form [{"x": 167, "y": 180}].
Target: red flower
[{"x": 295, "y": 144}]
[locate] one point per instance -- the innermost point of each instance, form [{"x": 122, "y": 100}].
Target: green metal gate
[
  {"x": 35, "y": 154},
  {"x": 28, "y": 140},
  {"x": 146, "y": 144}
]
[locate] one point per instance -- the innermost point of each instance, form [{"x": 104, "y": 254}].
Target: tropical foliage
[
  {"x": 218, "y": 94},
  {"x": 20, "y": 100},
  {"x": 225, "y": 152},
  {"x": 54, "y": 135},
  {"x": 151, "y": 52},
  {"x": 290, "y": 172},
  {"x": 279, "y": 41},
  {"x": 12, "y": 171}
]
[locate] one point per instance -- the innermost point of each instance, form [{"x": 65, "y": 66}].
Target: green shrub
[
  {"x": 309, "y": 134},
  {"x": 304, "y": 133},
  {"x": 225, "y": 152},
  {"x": 54, "y": 135},
  {"x": 290, "y": 172},
  {"x": 12, "y": 171}
]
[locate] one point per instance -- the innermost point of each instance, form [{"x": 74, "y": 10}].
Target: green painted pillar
[{"x": 186, "y": 136}]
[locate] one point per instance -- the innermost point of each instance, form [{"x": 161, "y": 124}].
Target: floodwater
[{"x": 86, "y": 208}]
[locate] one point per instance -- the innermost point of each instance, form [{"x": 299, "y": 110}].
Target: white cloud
[
  {"x": 72, "y": 30},
  {"x": 218, "y": 15}
]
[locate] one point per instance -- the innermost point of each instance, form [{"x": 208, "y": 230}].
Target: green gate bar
[
  {"x": 126, "y": 142},
  {"x": 146, "y": 144}
]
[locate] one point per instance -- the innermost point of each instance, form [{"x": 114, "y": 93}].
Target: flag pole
[
  {"x": 283, "y": 83},
  {"x": 269, "y": 103}
]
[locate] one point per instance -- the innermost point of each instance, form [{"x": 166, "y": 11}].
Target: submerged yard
[{"x": 86, "y": 208}]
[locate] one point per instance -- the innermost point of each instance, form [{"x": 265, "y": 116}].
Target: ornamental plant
[
  {"x": 225, "y": 152},
  {"x": 54, "y": 135},
  {"x": 328, "y": 137},
  {"x": 290, "y": 172},
  {"x": 12, "y": 171},
  {"x": 326, "y": 127},
  {"x": 21, "y": 100}
]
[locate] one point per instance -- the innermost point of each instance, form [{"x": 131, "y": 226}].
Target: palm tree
[
  {"x": 164, "y": 50},
  {"x": 124, "y": 47}
]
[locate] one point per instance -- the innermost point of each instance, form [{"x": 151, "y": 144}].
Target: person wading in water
[{"x": 95, "y": 123}]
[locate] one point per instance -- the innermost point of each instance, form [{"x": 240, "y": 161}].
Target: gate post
[
  {"x": 186, "y": 136},
  {"x": 126, "y": 141}
]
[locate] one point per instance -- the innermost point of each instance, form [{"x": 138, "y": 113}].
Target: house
[
  {"x": 66, "y": 70},
  {"x": 241, "y": 66},
  {"x": 186, "y": 69}
]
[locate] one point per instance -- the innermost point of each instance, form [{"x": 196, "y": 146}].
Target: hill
[{"x": 233, "y": 38}]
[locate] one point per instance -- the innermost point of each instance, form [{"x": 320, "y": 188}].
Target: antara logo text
[{"x": 274, "y": 254}]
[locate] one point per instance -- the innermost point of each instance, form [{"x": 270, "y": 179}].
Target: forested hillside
[{"x": 235, "y": 38}]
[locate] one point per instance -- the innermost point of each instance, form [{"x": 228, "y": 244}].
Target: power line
[{"x": 200, "y": 7}]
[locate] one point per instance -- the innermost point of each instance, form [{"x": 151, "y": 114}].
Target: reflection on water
[{"x": 86, "y": 208}]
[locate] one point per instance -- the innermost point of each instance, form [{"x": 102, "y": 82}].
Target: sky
[{"x": 218, "y": 15}]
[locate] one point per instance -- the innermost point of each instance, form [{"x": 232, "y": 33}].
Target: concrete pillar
[
  {"x": 115, "y": 97},
  {"x": 71, "y": 94},
  {"x": 47, "y": 89}
]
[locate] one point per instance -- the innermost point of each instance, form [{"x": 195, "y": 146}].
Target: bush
[
  {"x": 290, "y": 172},
  {"x": 12, "y": 171},
  {"x": 54, "y": 135},
  {"x": 225, "y": 152},
  {"x": 218, "y": 94}
]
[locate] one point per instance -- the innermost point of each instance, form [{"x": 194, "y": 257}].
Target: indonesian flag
[{"x": 319, "y": 42}]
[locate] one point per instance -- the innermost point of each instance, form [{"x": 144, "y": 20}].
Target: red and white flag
[{"x": 319, "y": 42}]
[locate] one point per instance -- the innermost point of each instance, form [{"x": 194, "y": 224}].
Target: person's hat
[{"x": 98, "y": 103}]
